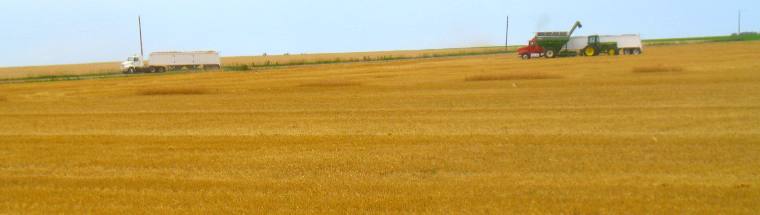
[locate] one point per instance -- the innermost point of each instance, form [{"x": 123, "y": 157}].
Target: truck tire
[
  {"x": 550, "y": 54},
  {"x": 131, "y": 71},
  {"x": 636, "y": 51},
  {"x": 161, "y": 69},
  {"x": 525, "y": 56}
]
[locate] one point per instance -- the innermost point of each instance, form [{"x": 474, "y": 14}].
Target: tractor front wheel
[{"x": 549, "y": 54}]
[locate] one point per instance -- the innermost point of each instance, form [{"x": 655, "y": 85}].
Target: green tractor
[{"x": 596, "y": 46}]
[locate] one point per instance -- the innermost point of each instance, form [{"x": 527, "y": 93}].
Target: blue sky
[{"x": 44, "y": 32}]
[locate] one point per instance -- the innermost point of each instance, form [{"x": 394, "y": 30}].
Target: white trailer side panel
[
  {"x": 184, "y": 58},
  {"x": 209, "y": 58},
  {"x": 161, "y": 59}
]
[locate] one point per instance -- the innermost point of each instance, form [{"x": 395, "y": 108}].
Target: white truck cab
[{"x": 132, "y": 64}]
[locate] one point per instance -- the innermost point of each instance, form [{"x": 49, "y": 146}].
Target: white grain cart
[{"x": 627, "y": 44}]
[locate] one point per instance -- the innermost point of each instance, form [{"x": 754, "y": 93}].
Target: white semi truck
[{"x": 163, "y": 61}]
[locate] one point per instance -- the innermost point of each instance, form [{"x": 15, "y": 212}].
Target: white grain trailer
[{"x": 188, "y": 60}]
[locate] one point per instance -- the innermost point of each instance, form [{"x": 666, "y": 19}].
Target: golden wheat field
[
  {"x": 73, "y": 69},
  {"x": 673, "y": 131}
]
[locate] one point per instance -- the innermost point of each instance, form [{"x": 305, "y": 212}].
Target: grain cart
[
  {"x": 629, "y": 44},
  {"x": 549, "y": 44}
]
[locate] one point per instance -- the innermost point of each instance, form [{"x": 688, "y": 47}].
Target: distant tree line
[{"x": 746, "y": 33}]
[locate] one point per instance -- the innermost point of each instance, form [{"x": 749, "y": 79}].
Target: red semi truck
[{"x": 531, "y": 51}]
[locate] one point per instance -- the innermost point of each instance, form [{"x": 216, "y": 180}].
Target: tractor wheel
[
  {"x": 589, "y": 51},
  {"x": 636, "y": 52},
  {"x": 612, "y": 52},
  {"x": 525, "y": 56},
  {"x": 550, "y": 54}
]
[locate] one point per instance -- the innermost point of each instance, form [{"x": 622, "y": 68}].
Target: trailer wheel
[
  {"x": 636, "y": 51},
  {"x": 161, "y": 69},
  {"x": 525, "y": 56},
  {"x": 612, "y": 52},
  {"x": 549, "y": 54}
]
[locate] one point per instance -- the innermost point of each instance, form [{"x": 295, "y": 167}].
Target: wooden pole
[
  {"x": 738, "y": 33},
  {"x": 506, "y": 43},
  {"x": 139, "y": 24}
]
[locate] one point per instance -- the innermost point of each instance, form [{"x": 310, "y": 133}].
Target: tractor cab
[{"x": 593, "y": 39}]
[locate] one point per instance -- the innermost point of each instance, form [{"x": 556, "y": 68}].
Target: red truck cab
[{"x": 530, "y": 51}]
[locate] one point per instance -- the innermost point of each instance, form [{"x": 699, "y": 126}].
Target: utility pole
[
  {"x": 739, "y": 26},
  {"x": 506, "y": 44},
  {"x": 139, "y": 24}
]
